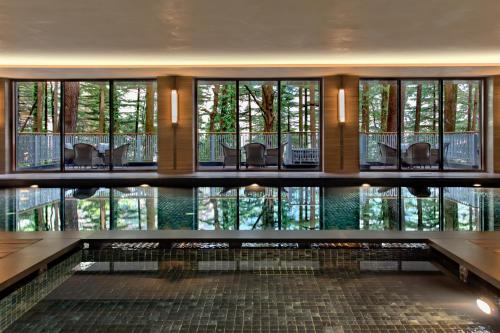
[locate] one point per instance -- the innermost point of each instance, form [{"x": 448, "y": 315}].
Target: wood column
[
  {"x": 495, "y": 150},
  {"x": 4, "y": 126},
  {"x": 341, "y": 141},
  {"x": 175, "y": 142}
]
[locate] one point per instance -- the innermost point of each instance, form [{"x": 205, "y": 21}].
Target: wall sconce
[
  {"x": 174, "y": 106},
  {"x": 341, "y": 105}
]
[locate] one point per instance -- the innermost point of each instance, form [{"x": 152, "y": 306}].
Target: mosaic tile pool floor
[{"x": 154, "y": 297}]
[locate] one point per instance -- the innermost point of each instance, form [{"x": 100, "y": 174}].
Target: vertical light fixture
[
  {"x": 174, "y": 107},
  {"x": 341, "y": 106}
]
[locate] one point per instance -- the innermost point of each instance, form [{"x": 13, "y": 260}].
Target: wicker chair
[
  {"x": 119, "y": 156},
  {"x": 230, "y": 156},
  {"x": 388, "y": 155},
  {"x": 255, "y": 154},
  {"x": 272, "y": 155},
  {"x": 86, "y": 155},
  {"x": 418, "y": 154}
]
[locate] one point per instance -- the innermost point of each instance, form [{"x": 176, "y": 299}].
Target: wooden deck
[{"x": 233, "y": 178}]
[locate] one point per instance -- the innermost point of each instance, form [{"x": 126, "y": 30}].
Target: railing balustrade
[
  {"x": 300, "y": 147},
  {"x": 43, "y": 149},
  {"x": 460, "y": 148}
]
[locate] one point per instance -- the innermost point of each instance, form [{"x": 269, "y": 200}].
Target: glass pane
[
  {"x": 379, "y": 208},
  {"x": 420, "y": 125},
  {"x": 258, "y": 208},
  {"x": 217, "y": 208},
  {"x": 420, "y": 207},
  {"x": 462, "y": 124},
  {"x": 38, "y": 144},
  {"x": 258, "y": 124},
  {"x": 216, "y": 118},
  {"x": 300, "y": 140},
  {"x": 36, "y": 209},
  {"x": 134, "y": 208},
  {"x": 300, "y": 208},
  {"x": 135, "y": 126},
  {"x": 462, "y": 208},
  {"x": 87, "y": 209},
  {"x": 378, "y": 125},
  {"x": 86, "y": 125}
]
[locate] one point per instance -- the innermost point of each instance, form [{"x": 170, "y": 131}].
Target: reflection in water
[{"x": 250, "y": 208}]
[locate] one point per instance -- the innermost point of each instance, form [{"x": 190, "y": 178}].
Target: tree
[
  {"x": 71, "y": 96},
  {"x": 450, "y": 106}
]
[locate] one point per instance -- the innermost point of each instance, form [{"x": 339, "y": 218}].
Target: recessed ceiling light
[
  {"x": 144, "y": 185},
  {"x": 477, "y": 185},
  {"x": 34, "y": 186},
  {"x": 365, "y": 185}
]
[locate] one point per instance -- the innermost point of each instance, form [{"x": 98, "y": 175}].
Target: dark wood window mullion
[
  {"x": 62, "y": 130},
  {"x": 111, "y": 124}
]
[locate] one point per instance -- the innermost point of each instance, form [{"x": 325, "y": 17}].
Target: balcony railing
[
  {"x": 300, "y": 148},
  {"x": 36, "y": 150},
  {"x": 460, "y": 148}
]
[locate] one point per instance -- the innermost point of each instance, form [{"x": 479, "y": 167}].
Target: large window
[
  {"x": 102, "y": 125},
  {"x": 420, "y": 124},
  {"x": 258, "y": 124}
]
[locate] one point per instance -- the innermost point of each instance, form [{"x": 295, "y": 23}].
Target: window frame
[
  {"x": 62, "y": 81},
  {"x": 441, "y": 80},
  {"x": 278, "y": 81}
]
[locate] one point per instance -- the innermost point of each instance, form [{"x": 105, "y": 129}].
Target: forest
[
  {"x": 254, "y": 114},
  {"x": 86, "y": 109},
  {"x": 421, "y": 112}
]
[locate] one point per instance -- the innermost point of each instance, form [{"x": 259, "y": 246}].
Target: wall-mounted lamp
[
  {"x": 341, "y": 106},
  {"x": 174, "y": 107}
]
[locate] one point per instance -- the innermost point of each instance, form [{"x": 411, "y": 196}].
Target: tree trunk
[
  {"x": 71, "y": 95},
  {"x": 268, "y": 107},
  {"x": 102, "y": 108},
  {"x": 102, "y": 214},
  {"x": 392, "y": 114},
  {"x": 312, "y": 108},
  {"x": 150, "y": 213},
  {"x": 434, "y": 109},
  {"x": 418, "y": 108},
  {"x": 469, "y": 108},
  {"x": 39, "y": 107},
  {"x": 71, "y": 214},
  {"x": 137, "y": 109},
  {"x": 213, "y": 113},
  {"x": 301, "y": 111},
  {"x": 150, "y": 105},
  {"x": 249, "y": 113},
  {"x": 450, "y": 107},
  {"x": 384, "y": 106},
  {"x": 55, "y": 107},
  {"x": 475, "y": 109},
  {"x": 420, "y": 223},
  {"x": 365, "y": 117}
]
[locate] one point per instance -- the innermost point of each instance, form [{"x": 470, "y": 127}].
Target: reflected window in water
[{"x": 251, "y": 208}]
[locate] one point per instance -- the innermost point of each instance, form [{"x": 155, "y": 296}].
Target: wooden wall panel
[
  {"x": 175, "y": 145},
  {"x": 337, "y": 157},
  {"x": 4, "y": 123},
  {"x": 496, "y": 125}
]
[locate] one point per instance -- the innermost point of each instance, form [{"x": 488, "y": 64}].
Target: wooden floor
[
  {"x": 233, "y": 178},
  {"x": 29, "y": 252}
]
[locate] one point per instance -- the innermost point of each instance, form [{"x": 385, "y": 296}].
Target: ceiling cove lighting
[
  {"x": 174, "y": 106},
  {"x": 341, "y": 105}
]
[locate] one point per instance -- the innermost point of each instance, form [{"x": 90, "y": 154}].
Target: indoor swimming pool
[{"x": 251, "y": 207}]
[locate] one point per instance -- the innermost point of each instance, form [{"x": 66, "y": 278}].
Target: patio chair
[
  {"x": 272, "y": 155},
  {"x": 418, "y": 154},
  {"x": 69, "y": 155},
  {"x": 230, "y": 155},
  {"x": 86, "y": 155},
  {"x": 388, "y": 155},
  {"x": 255, "y": 154},
  {"x": 119, "y": 156}
]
